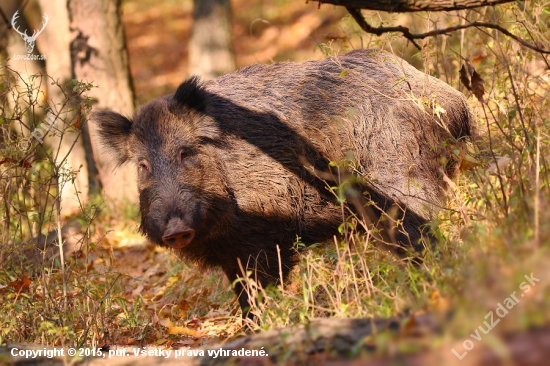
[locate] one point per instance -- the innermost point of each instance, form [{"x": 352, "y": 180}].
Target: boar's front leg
[
  {"x": 262, "y": 273},
  {"x": 233, "y": 274}
]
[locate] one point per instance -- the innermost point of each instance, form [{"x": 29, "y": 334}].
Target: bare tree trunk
[
  {"x": 405, "y": 6},
  {"x": 211, "y": 46},
  {"x": 99, "y": 55},
  {"x": 55, "y": 41}
]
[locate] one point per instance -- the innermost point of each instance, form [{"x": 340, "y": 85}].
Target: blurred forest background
[{"x": 74, "y": 271}]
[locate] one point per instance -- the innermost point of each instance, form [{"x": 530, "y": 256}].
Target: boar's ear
[
  {"x": 114, "y": 130},
  {"x": 191, "y": 95}
]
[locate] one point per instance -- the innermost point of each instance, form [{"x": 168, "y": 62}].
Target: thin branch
[
  {"x": 409, "y": 6},
  {"x": 356, "y": 14}
]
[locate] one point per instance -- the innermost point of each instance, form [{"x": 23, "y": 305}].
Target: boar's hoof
[{"x": 177, "y": 235}]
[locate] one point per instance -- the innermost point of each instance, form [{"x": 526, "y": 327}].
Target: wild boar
[{"x": 236, "y": 169}]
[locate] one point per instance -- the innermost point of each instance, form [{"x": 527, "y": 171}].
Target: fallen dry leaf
[
  {"x": 438, "y": 302},
  {"x": 479, "y": 58},
  {"x": 78, "y": 122},
  {"x": 166, "y": 322},
  {"x": 21, "y": 285},
  {"x": 477, "y": 86},
  {"x": 465, "y": 75},
  {"x": 410, "y": 326},
  {"x": 472, "y": 81},
  {"x": 183, "y": 331},
  {"x": 24, "y": 163}
]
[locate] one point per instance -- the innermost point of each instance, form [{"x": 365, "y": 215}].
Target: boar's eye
[
  {"x": 183, "y": 155},
  {"x": 143, "y": 166}
]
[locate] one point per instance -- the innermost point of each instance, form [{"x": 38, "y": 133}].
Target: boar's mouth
[{"x": 177, "y": 234}]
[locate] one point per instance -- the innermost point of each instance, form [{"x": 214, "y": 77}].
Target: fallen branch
[{"x": 412, "y": 341}]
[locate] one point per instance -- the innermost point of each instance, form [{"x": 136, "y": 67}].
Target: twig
[
  {"x": 499, "y": 174},
  {"x": 356, "y": 14},
  {"x": 537, "y": 192}
]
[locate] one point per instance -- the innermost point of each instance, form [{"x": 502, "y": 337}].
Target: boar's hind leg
[
  {"x": 404, "y": 229},
  {"x": 412, "y": 231}
]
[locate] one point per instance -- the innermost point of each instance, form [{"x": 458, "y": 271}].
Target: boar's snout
[{"x": 177, "y": 235}]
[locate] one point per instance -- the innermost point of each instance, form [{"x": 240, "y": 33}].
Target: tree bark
[
  {"x": 211, "y": 46},
  {"x": 407, "y": 6},
  {"x": 99, "y": 56},
  {"x": 55, "y": 41}
]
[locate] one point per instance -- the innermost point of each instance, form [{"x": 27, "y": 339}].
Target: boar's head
[{"x": 175, "y": 145}]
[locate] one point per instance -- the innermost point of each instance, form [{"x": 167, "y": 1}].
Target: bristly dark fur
[
  {"x": 243, "y": 161},
  {"x": 191, "y": 94},
  {"x": 114, "y": 130}
]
